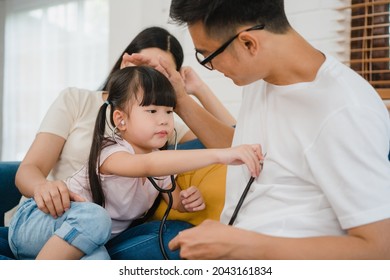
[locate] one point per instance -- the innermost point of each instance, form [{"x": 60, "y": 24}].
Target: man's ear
[{"x": 249, "y": 41}]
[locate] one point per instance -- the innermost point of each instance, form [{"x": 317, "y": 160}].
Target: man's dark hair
[{"x": 223, "y": 17}]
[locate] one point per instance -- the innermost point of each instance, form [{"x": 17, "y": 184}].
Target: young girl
[
  {"x": 64, "y": 139},
  {"x": 115, "y": 182}
]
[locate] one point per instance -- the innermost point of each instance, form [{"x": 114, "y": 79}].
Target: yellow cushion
[{"x": 210, "y": 181}]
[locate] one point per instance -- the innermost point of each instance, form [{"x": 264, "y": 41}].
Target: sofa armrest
[{"x": 9, "y": 194}]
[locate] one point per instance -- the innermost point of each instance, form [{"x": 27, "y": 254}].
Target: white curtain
[{"x": 49, "y": 45}]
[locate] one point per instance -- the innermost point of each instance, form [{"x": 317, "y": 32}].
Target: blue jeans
[
  {"x": 137, "y": 243},
  {"x": 86, "y": 225},
  {"x": 142, "y": 242},
  {"x": 5, "y": 250},
  {"x": 144, "y": 245}
]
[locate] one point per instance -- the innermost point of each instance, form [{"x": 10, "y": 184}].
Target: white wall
[
  {"x": 318, "y": 21},
  {"x": 323, "y": 24},
  {"x": 127, "y": 18}
]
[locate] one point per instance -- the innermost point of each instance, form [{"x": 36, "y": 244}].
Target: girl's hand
[
  {"x": 251, "y": 155},
  {"x": 53, "y": 197},
  {"x": 192, "y": 199}
]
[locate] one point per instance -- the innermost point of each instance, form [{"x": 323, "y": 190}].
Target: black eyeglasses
[{"x": 206, "y": 61}]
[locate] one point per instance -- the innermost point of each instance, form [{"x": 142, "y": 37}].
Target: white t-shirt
[
  {"x": 126, "y": 199},
  {"x": 326, "y": 168}
]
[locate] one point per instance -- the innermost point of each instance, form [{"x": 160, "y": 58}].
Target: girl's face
[{"x": 148, "y": 127}]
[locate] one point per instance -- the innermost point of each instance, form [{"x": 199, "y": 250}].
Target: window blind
[{"x": 369, "y": 54}]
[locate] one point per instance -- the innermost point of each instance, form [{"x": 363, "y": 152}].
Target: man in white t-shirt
[{"x": 324, "y": 191}]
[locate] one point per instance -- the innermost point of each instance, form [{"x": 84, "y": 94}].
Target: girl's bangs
[{"x": 157, "y": 90}]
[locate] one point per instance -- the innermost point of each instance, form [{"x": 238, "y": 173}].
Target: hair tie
[{"x": 107, "y": 102}]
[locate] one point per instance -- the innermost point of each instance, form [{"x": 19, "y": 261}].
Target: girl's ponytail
[{"x": 98, "y": 141}]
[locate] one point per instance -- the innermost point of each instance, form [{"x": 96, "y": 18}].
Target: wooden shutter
[{"x": 370, "y": 42}]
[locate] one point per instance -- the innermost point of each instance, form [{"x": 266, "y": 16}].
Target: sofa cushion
[
  {"x": 211, "y": 182},
  {"x": 9, "y": 194}
]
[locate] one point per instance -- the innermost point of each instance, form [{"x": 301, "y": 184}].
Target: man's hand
[{"x": 209, "y": 240}]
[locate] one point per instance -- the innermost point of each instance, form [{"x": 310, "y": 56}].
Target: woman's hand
[
  {"x": 53, "y": 197},
  {"x": 137, "y": 59},
  {"x": 195, "y": 86},
  {"x": 159, "y": 64},
  {"x": 193, "y": 83}
]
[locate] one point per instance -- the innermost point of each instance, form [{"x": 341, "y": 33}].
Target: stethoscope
[
  {"x": 169, "y": 206},
  {"x": 243, "y": 195}
]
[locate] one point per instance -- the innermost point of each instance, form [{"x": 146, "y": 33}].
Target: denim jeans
[
  {"x": 86, "y": 225},
  {"x": 142, "y": 242},
  {"x": 137, "y": 243}
]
